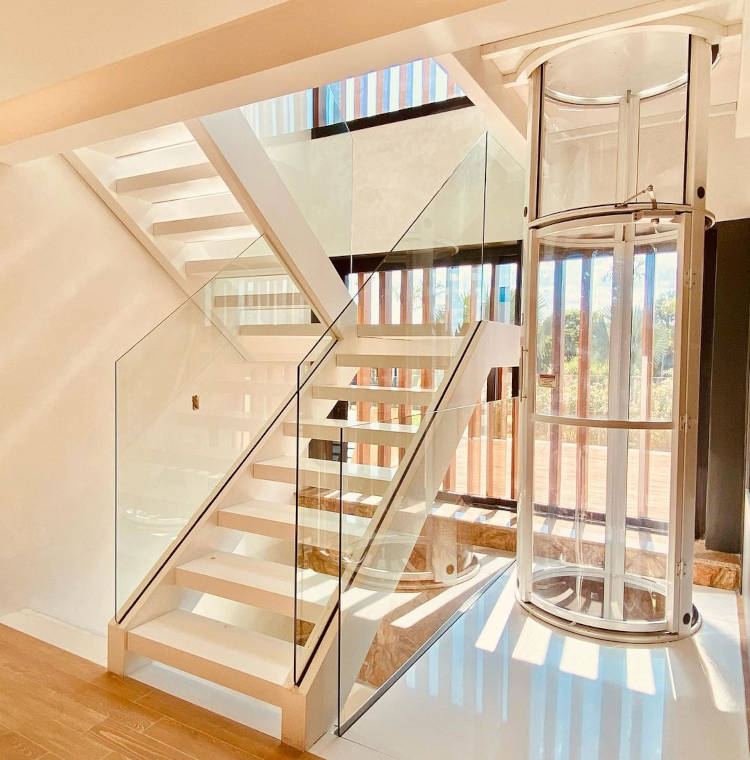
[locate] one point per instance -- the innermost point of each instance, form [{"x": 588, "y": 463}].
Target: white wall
[
  {"x": 727, "y": 188},
  {"x": 399, "y": 167},
  {"x": 76, "y": 291}
]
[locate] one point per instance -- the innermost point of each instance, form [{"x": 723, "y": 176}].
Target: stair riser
[
  {"x": 374, "y": 395},
  {"x": 393, "y": 361},
  {"x": 321, "y": 479}
]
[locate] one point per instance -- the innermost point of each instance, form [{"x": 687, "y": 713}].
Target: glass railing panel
[
  {"x": 377, "y": 320},
  {"x": 434, "y": 283},
  {"x": 505, "y": 195},
  {"x": 424, "y": 554},
  {"x": 418, "y": 304},
  {"x": 315, "y": 167},
  {"x": 194, "y": 394}
]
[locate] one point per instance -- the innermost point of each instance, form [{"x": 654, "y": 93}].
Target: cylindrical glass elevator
[{"x": 612, "y": 300}]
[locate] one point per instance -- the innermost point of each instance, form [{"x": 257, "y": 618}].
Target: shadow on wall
[{"x": 77, "y": 290}]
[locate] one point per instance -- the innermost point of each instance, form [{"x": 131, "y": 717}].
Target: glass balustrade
[
  {"x": 193, "y": 396},
  {"x": 317, "y": 171},
  {"x": 397, "y": 342},
  {"x": 244, "y": 373}
]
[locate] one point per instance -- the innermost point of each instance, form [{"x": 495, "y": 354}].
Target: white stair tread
[
  {"x": 359, "y": 470},
  {"x": 385, "y": 394},
  {"x": 148, "y": 140},
  {"x": 277, "y": 520},
  {"x": 189, "y": 206},
  {"x": 262, "y": 583},
  {"x": 357, "y": 425},
  {"x": 381, "y": 433},
  {"x": 179, "y": 636},
  {"x": 409, "y": 361},
  {"x": 181, "y": 153},
  {"x": 431, "y": 329}
]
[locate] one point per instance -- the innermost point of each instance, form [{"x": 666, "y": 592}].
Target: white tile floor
[{"x": 502, "y": 685}]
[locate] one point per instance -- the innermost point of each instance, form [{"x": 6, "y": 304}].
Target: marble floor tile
[{"x": 500, "y": 684}]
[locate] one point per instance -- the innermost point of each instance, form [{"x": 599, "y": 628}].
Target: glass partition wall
[{"x": 611, "y": 312}]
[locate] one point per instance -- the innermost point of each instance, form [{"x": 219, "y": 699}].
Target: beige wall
[
  {"x": 76, "y": 291},
  {"x": 382, "y": 178}
]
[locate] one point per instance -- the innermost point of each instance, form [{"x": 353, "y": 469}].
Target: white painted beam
[
  {"x": 555, "y": 35},
  {"x": 502, "y": 107},
  {"x": 242, "y": 162},
  {"x": 706, "y": 28}
]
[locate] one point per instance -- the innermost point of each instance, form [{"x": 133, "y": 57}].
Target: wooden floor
[{"x": 57, "y": 706}]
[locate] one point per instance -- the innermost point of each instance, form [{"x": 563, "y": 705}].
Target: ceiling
[{"x": 44, "y": 41}]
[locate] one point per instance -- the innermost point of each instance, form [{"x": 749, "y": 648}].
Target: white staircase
[
  {"x": 163, "y": 187},
  {"x": 243, "y": 551},
  {"x": 245, "y": 596}
]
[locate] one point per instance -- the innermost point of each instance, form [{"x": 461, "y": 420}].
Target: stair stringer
[
  {"x": 404, "y": 508},
  {"x": 243, "y": 163}
]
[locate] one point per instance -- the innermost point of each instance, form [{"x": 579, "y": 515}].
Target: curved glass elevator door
[{"x": 601, "y": 424}]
